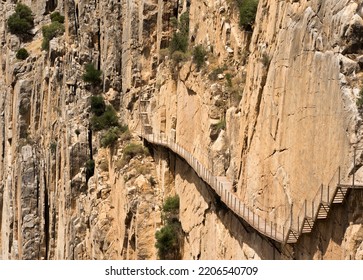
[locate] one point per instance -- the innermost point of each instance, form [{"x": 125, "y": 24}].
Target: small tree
[
  {"x": 184, "y": 23},
  {"x": 179, "y": 42},
  {"x": 132, "y": 150},
  {"x": 171, "y": 204},
  {"x": 90, "y": 167},
  {"x": 179, "y": 56},
  {"x": 92, "y": 75},
  {"x": 248, "y": 9},
  {"x": 110, "y": 137},
  {"x": 107, "y": 119},
  {"x": 167, "y": 242},
  {"x": 168, "y": 238},
  {"x": 98, "y": 106},
  {"x": 22, "y": 54},
  {"x": 22, "y": 21},
  {"x": 50, "y": 31},
  {"x": 199, "y": 54},
  {"x": 56, "y": 16}
]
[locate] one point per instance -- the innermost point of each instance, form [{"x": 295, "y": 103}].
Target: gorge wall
[{"x": 274, "y": 109}]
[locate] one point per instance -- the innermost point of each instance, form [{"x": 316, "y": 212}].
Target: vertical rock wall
[{"x": 299, "y": 73}]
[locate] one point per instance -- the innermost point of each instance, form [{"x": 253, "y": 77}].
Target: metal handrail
[{"x": 222, "y": 186}]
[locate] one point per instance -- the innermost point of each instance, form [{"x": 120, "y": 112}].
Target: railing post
[
  {"x": 305, "y": 207},
  {"x": 291, "y": 213},
  {"x": 327, "y": 197},
  {"x": 298, "y": 224},
  {"x": 339, "y": 176},
  {"x": 354, "y": 167},
  {"x": 312, "y": 213},
  {"x": 265, "y": 225},
  {"x": 258, "y": 222},
  {"x": 271, "y": 228},
  {"x": 283, "y": 233},
  {"x": 321, "y": 195},
  {"x": 275, "y": 230}
]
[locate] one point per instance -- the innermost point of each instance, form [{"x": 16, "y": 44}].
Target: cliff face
[{"x": 274, "y": 110}]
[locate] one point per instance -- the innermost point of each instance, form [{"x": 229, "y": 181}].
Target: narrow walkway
[{"x": 318, "y": 208}]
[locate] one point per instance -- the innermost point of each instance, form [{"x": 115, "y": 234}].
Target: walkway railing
[{"x": 318, "y": 208}]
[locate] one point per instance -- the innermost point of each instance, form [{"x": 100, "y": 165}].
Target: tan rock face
[
  {"x": 292, "y": 118},
  {"x": 296, "y": 123}
]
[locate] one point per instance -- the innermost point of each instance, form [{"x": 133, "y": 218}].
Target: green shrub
[
  {"x": 184, "y": 23},
  {"x": 171, "y": 204},
  {"x": 107, "y": 119},
  {"x": 50, "y": 31},
  {"x": 92, "y": 75},
  {"x": 98, "y": 105},
  {"x": 110, "y": 137},
  {"x": 90, "y": 167},
  {"x": 167, "y": 242},
  {"x": 199, "y": 54},
  {"x": 124, "y": 129},
  {"x": 56, "y": 16},
  {"x": 132, "y": 150},
  {"x": 22, "y": 21},
  {"x": 179, "y": 56},
  {"x": 174, "y": 22},
  {"x": 179, "y": 42},
  {"x": 22, "y": 54},
  {"x": 110, "y": 116},
  {"x": 247, "y": 11},
  {"x": 168, "y": 237}
]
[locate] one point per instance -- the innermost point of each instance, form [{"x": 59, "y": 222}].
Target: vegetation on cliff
[
  {"x": 92, "y": 75},
  {"x": 22, "y": 21},
  {"x": 179, "y": 41},
  {"x": 168, "y": 238},
  {"x": 106, "y": 120},
  {"x": 22, "y": 54},
  {"x": 57, "y": 17},
  {"x": 247, "y": 10},
  {"x": 56, "y": 28},
  {"x": 199, "y": 54}
]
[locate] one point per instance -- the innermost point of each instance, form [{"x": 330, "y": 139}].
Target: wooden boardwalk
[{"x": 309, "y": 214}]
